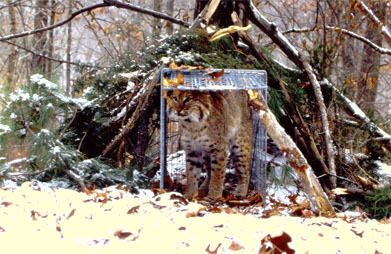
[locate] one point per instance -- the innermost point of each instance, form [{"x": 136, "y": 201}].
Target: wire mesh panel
[{"x": 229, "y": 79}]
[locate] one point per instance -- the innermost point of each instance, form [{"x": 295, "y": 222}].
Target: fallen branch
[
  {"x": 142, "y": 100},
  {"x": 278, "y": 38},
  {"x": 293, "y": 155},
  {"x": 325, "y": 122}
]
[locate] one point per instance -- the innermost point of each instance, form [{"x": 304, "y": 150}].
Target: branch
[
  {"x": 152, "y": 13},
  {"x": 293, "y": 155},
  {"x": 273, "y": 32},
  {"x": 105, "y": 3},
  {"x": 74, "y": 14},
  {"x": 352, "y": 109},
  {"x": 360, "y": 38},
  {"x": 278, "y": 38},
  {"x": 325, "y": 122},
  {"x": 51, "y": 58}
]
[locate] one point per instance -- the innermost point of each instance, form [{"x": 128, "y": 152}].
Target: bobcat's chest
[{"x": 198, "y": 140}]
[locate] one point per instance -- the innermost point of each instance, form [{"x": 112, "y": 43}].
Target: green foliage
[
  {"x": 34, "y": 138},
  {"x": 321, "y": 59},
  {"x": 378, "y": 203}
]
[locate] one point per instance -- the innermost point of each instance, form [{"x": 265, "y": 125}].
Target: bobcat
[{"x": 212, "y": 124}]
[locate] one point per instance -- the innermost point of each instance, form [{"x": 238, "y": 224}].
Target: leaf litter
[{"x": 60, "y": 220}]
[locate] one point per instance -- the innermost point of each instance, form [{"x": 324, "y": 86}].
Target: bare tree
[{"x": 13, "y": 57}]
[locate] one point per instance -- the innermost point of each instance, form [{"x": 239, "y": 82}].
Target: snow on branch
[
  {"x": 356, "y": 112},
  {"x": 383, "y": 29},
  {"x": 360, "y": 38}
]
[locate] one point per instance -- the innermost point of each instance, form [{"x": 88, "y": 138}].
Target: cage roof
[{"x": 214, "y": 79}]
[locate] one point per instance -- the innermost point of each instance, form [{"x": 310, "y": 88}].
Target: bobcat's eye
[{"x": 186, "y": 100}]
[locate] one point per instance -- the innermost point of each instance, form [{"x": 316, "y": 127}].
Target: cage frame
[{"x": 230, "y": 79}]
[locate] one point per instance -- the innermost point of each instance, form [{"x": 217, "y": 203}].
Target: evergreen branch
[
  {"x": 152, "y": 13},
  {"x": 40, "y": 30}
]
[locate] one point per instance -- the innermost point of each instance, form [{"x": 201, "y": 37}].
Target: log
[{"x": 318, "y": 199}]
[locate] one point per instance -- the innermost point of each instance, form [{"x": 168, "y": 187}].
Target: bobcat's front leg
[
  {"x": 193, "y": 168},
  {"x": 218, "y": 164}
]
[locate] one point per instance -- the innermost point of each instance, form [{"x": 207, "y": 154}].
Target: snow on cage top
[{"x": 231, "y": 79}]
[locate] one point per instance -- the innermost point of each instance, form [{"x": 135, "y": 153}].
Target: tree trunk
[
  {"x": 68, "y": 52},
  {"x": 156, "y": 23},
  {"x": 49, "y": 65},
  {"x": 365, "y": 94},
  {"x": 170, "y": 11},
  {"x": 13, "y": 57},
  {"x": 38, "y": 63}
]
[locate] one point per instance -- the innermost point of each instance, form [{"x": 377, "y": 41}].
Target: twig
[
  {"x": 77, "y": 179},
  {"x": 61, "y": 61}
]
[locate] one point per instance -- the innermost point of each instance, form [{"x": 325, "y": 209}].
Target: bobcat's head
[{"x": 189, "y": 106}]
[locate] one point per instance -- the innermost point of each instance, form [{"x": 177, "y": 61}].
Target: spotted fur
[{"x": 213, "y": 124}]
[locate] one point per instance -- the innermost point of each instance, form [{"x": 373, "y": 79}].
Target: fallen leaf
[
  {"x": 235, "y": 246},
  {"x": 71, "y": 213},
  {"x": 175, "y": 82},
  {"x": 279, "y": 244},
  {"x": 216, "y": 74},
  {"x": 122, "y": 235},
  {"x": 5, "y": 204},
  {"x": 134, "y": 209}
]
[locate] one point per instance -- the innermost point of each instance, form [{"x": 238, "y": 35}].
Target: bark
[
  {"x": 294, "y": 156},
  {"x": 39, "y": 43},
  {"x": 13, "y": 57},
  {"x": 325, "y": 122}
]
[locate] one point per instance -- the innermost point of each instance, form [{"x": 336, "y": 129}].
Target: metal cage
[{"x": 231, "y": 79}]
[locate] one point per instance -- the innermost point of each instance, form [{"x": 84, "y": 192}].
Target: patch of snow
[
  {"x": 17, "y": 161},
  {"x": 4, "y": 129},
  {"x": 40, "y": 80}
]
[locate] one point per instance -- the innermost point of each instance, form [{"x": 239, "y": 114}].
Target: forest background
[{"x": 69, "y": 91}]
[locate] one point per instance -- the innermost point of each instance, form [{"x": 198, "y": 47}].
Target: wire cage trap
[{"x": 171, "y": 157}]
